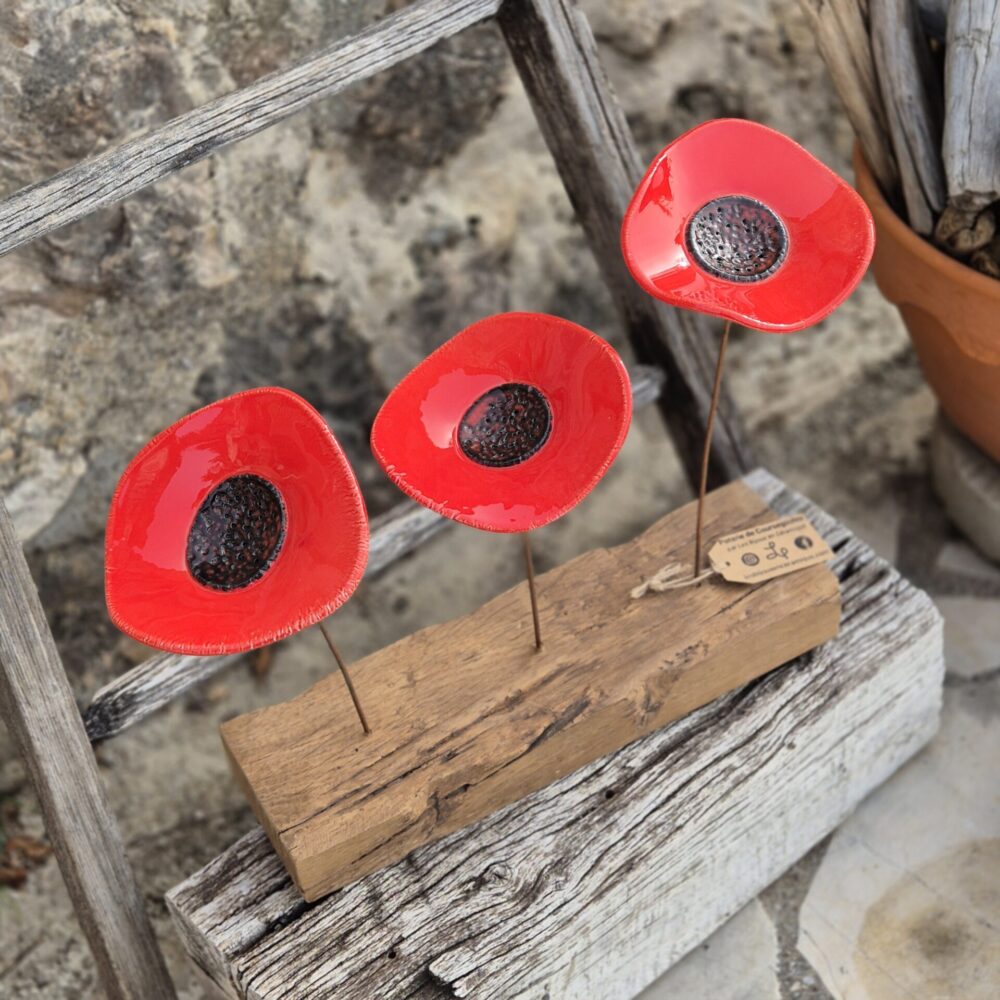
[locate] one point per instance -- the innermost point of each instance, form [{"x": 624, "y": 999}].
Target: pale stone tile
[
  {"x": 738, "y": 962},
  {"x": 906, "y": 902},
  {"x": 971, "y": 634},
  {"x": 961, "y": 557}
]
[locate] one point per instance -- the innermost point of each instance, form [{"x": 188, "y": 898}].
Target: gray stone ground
[{"x": 331, "y": 253}]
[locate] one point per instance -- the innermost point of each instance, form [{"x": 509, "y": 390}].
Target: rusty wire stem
[
  {"x": 707, "y": 450},
  {"x": 529, "y": 568},
  {"x": 347, "y": 678}
]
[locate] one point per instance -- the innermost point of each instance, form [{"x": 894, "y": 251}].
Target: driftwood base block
[{"x": 467, "y": 717}]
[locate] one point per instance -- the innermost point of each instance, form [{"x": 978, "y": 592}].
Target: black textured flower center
[
  {"x": 737, "y": 238},
  {"x": 505, "y": 425},
  {"x": 237, "y": 533}
]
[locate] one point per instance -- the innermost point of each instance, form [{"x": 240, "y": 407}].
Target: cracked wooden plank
[{"x": 596, "y": 884}]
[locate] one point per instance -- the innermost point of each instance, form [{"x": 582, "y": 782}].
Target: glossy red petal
[
  {"x": 830, "y": 233},
  {"x": 270, "y": 433},
  {"x": 415, "y": 436}
]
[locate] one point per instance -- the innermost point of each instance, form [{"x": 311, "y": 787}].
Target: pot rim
[{"x": 958, "y": 272}]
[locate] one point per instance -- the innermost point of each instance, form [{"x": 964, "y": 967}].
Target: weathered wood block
[
  {"x": 468, "y": 716},
  {"x": 596, "y": 884}
]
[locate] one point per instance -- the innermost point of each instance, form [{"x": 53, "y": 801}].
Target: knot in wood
[{"x": 498, "y": 871}]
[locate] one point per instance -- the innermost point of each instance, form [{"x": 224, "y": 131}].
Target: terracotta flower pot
[{"x": 952, "y": 314}]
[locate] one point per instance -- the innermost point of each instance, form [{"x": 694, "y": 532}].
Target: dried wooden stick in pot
[
  {"x": 843, "y": 42},
  {"x": 912, "y": 97},
  {"x": 971, "y": 145}
]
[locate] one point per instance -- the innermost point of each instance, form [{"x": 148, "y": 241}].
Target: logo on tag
[{"x": 769, "y": 550}]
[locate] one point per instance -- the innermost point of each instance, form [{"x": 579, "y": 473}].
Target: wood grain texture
[
  {"x": 555, "y": 54},
  {"x": 112, "y": 176},
  {"x": 595, "y": 885},
  {"x": 468, "y": 716},
  {"x": 842, "y": 39},
  {"x": 156, "y": 682},
  {"x": 911, "y": 94},
  {"x": 971, "y": 143},
  {"x": 42, "y": 716}
]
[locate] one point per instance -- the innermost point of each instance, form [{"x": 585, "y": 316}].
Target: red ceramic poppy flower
[
  {"x": 240, "y": 524},
  {"x": 737, "y": 220},
  {"x": 509, "y": 424}
]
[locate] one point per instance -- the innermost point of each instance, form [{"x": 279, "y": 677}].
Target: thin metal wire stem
[
  {"x": 707, "y": 450},
  {"x": 347, "y": 678},
  {"x": 529, "y": 568}
]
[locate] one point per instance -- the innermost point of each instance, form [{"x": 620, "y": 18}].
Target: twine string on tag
[{"x": 673, "y": 576}]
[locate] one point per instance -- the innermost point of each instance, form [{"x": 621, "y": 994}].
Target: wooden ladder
[{"x": 555, "y": 55}]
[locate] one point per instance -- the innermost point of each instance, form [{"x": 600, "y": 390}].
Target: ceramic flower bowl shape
[
  {"x": 737, "y": 220},
  {"x": 237, "y": 526},
  {"x": 509, "y": 424}
]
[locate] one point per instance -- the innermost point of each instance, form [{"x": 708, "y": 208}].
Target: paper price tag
[{"x": 769, "y": 550}]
